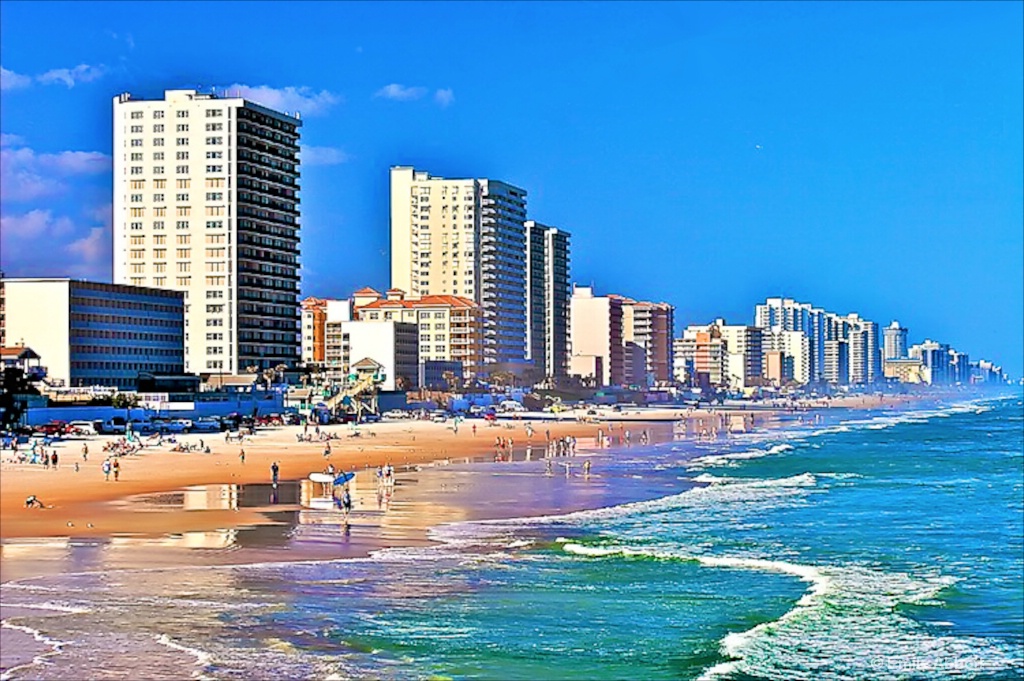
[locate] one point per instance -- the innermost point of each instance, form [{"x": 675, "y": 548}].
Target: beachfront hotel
[
  {"x": 464, "y": 237},
  {"x": 549, "y": 290},
  {"x": 206, "y": 203},
  {"x": 449, "y": 328},
  {"x": 595, "y": 334},
  {"x": 648, "y": 327},
  {"x": 90, "y": 333},
  {"x": 894, "y": 343}
]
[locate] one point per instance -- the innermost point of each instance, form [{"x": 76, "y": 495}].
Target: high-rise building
[
  {"x": 935, "y": 358},
  {"x": 316, "y": 312},
  {"x": 959, "y": 368},
  {"x": 91, "y": 333},
  {"x": 464, "y": 237},
  {"x": 206, "y": 203},
  {"x": 796, "y": 353},
  {"x": 649, "y": 326},
  {"x": 837, "y": 362},
  {"x": 700, "y": 357},
  {"x": 595, "y": 332},
  {"x": 549, "y": 291},
  {"x": 895, "y": 341},
  {"x": 743, "y": 353},
  {"x": 390, "y": 345}
]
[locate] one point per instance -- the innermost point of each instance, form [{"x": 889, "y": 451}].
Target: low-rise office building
[{"x": 93, "y": 333}]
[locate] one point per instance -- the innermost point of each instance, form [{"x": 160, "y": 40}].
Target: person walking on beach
[
  {"x": 274, "y": 470},
  {"x": 586, "y": 469},
  {"x": 46, "y": 460},
  {"x": 117, "y": 470},
  {"x": 53, "y": 459},
  {"x": 474, "y": 430},
  {"x": 241, "y": 455},
  {"x": 85, "y": 452},
  {"x": 547, "y": 468},
  {"x": 327, "y": 450},
  {"x": 106, "y": 470}
]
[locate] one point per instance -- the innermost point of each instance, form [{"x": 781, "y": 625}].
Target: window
[
  {"x": 158, "y": 141},
  {"x": 214, "y": 321},
  {"x": 136, "y": 114},
  {"x": 214, "y": 127},
  {"x": 161, "y": 211},
  {"x": 137, "y": 241},
  {"x": 159, "y": 127},
  {"x": 214, "y": 140},
  {"x": 137, "y": 253},
  {"x": 158, "y": 170},
  {"x": 425, "y": 337},
  {"x": 425, "y": 327},
  {"x": 181, "y": 141},
  {"x": 183, "y": 184},
  {"x": 136, "y": 170},
  {"x": 137, "y": 184},
  {"x": 138, "y": 268},
  {"x": 215, "y": 154},
  {"x": 214, "y": 169},
  {"x": 183, "y": 239},
  {"x": 160, "y": 239},
  {"x": 159, "y": 224},
  {"x": 439, "y": 348},
  {"x": 181, "y": 127},
  {"x": 158, "y": 197},
  {"x": 138, "y": 281},
  {"x": 439, "y": 337},
  {"x": 159, "y": 281},
  {"x": 215, "y": 309},
  {"x": 159, "y": 253},
  {"x": 183, "y": 253},
  {"x": 181, "y": 197},
  {"x": 183, "y": 281},
  {"x": 137, "y": 156},
  {"x": 214, "y": 182},
  {"x": 214, "y": 252},
  {"x": 214, "y": 294},
  {"x": 214, "y": 224},
  {"x": 216, "y": 267},
  {"x": 136, "y": 129},
  {"x": 214, "y": 196},
  {"x": 182, "y": 224},
  {"x": 158, "y": 156},
  {"x": 136, "y": 225},
  {"x": 181, "y": 170},
  {"x": 160, "y": 267},
  {"x": 159, "y": 184},
  {"x": 182, "y": 155},
  {"x": 184, "y": 211},
  {"x": 214, "y": 113},
  {"x": 137, "y": 212},
  {"x": 136, "y": 198},
  {"x": 184, "y": 267},
  {"x": 215, "y": 210},
  {"x": 181, "y": 114},
  {"x": 216, "y": 336},
  {"x": 438, "y": 327},
  {"x": 158, "y": 114}
]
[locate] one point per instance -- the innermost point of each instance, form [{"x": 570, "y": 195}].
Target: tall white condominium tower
[
  {"x": 206, "y": 202},
  {"x": 549, "y": 290},
  {"x": 465, "y": 238},
  {"x": 895, "y": 341},
  {"x": 788, "y": 315}
]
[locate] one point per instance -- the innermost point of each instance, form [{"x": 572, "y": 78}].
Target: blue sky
[{"x": 862, "y": 156}]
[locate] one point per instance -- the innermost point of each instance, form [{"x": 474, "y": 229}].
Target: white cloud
[
  {"x": 83, "y": 73},
  {"x": 9, "y": 80},
  {"x": 287, "y": 99},
  {"x": 31, "y": 244},
  {"x": 35, "y": 224},
  {"x": 9, "y": 140},
  {"x": 400, "y": 93},
  {"x": 323, "y": 156},
  {"x": 91, "y": 248},
  {"x": 26, "y": 175},
  {"x": 444, "y": 97}
]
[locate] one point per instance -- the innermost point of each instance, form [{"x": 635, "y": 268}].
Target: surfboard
[
  {"x": 321, "y": 477},
  {"x": 343, "y": 478}
]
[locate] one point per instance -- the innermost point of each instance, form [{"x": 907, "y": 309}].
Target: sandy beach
[{"x": 81, "y": 503}]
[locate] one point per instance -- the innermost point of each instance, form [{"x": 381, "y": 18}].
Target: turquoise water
[{"x": 875, "y": 546}]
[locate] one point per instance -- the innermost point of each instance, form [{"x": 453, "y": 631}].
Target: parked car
[
  {"x": 439, "y": 417},
  {"x": 206, "y": 425},
  {"x": 85, "y": 427},
  {"x": 115, "y": 425},
  {"x": 51, "y": 429},
  {"x": 511, "y": 405},
  {"x": 396, "y": 414},
  {"x": 370, "y": 418}
]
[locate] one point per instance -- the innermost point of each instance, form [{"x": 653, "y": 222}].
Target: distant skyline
[{"x": 866, "y": 157}]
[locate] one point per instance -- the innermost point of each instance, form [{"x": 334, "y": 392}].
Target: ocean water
[{"x": 879, "y": 545}]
